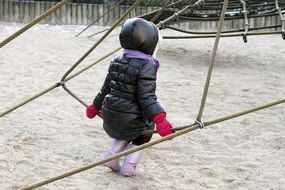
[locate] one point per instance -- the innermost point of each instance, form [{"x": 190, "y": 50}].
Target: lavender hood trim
[{"x": 140, "y": 55}]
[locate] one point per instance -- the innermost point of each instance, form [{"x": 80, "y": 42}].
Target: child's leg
[
  {"x": 129, "y": 167},
  {"x": 115, "y": 147}
]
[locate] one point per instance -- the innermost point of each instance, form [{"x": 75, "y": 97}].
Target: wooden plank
[
  {"x": 52, "y": 15},
  {"x": 6, "y": 10},
  {"x": 11, "y": 11},
  {"x": 68, "y": 13},
  {"x": 16, "y": 11},
  {"x": 251, "y": 22},
  {"x": 111, "y": 17},
  {"x": 95, "y": 13},
  {"x": 1, "y": 10},
  {"x": 105, "y": 18},
  {"x": 108, "y": 15},
  {"x": 84, "y": 14},
  {"x": 48, "y": 18},
  {"x": 26, "y": 12},
  {"x": 32, "y": 12},
  {"x": 63, "y": 17},
  {"x": 80, "y": 13},
  {"x": 37, "y": 9},
  {"x": 73, "y": 13},
  {"x": 99, "y": 13},
  {"x": 21, "y": 11},
  {"x": 90, "y": 13},
  {"x": 58, "y": 15},
  {"x": 42, "y": 9}
]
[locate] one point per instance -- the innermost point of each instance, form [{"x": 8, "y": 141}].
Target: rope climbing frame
[{"x": 179, "y": 131}]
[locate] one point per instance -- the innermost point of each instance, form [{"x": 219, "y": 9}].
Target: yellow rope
[
  {"x": 208, "y": 79},
  {"x": 33, "y": 22}
]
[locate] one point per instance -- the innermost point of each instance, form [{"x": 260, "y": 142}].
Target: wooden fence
[
  {"x": 71, "y": 13},
  {"x": 83, "y": 14}
]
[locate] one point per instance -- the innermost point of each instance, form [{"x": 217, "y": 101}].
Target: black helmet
[{"x": 139, "y": 34}]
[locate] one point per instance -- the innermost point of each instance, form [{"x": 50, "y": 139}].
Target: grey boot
[
  {"x": 129, "y": 167},
  {"x": 115, "y": 147}
]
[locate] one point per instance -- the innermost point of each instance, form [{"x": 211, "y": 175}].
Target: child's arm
[
  {"x": 146, "y": 87},
  {"x": 94, "y": 109},
  {"x": 98, "y": 100},
  {"x": 148, "y": 101}
]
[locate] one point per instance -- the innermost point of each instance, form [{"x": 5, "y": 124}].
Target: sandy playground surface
[{"x": 51, "y": 135}]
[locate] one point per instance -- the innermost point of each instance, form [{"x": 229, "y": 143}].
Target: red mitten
[
  {"x": 162, "y": 125},
  {"x": 91, "y": 111}
]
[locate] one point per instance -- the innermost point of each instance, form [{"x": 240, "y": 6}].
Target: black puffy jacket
[{"x": 127, "y": 99}]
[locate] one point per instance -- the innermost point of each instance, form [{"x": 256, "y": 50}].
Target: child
[{"x": 127, "y": 100}]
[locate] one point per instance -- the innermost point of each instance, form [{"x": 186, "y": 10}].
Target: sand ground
[{"x": 51, "y": 135}]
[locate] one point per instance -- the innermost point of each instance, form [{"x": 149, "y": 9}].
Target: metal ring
[
  {"x": 60, "y": 83},
  {"x": 200, "y": 123}
]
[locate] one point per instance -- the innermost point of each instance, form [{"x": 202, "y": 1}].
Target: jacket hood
[{"x": 139, "y": 34}]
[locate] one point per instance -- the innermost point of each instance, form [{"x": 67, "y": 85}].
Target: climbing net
[
  {"x": 238, "y": 10},
  {"x": 187, "y": 11}
]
